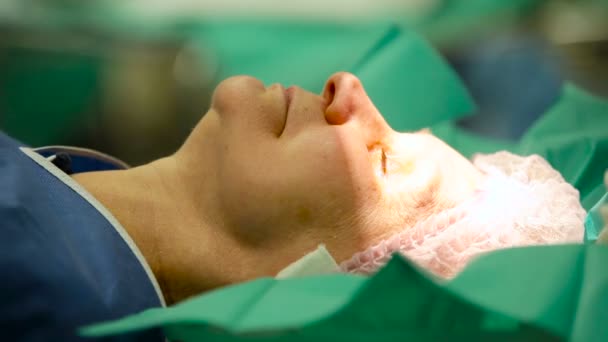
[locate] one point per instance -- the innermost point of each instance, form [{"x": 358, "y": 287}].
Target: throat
[{"x": 137, "y": 200}]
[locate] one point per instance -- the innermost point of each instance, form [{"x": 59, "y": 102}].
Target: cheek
[
  {"x": 315, "y": 187},
  {"x": 334, "y": 175}
]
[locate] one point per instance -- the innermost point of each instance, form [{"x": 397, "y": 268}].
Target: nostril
[
  {"x": 332, "y": 89},
  {"x": 330, "y": 93},
  {"x": 334, "y": 113}
]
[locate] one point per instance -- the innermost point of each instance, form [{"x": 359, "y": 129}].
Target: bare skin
[{"x": 268, "y": 174}]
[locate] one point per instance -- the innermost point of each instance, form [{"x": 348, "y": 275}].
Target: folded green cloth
[
  {"x": 408, "y": 81},
  {"x": 532, "y": 293}
]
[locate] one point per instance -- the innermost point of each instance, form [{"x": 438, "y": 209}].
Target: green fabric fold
[
  {"x": 399, "y": 69},
  {"x": 530, "y": 293}
]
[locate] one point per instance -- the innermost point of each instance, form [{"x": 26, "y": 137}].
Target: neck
[{"x": 179, "y": 243}]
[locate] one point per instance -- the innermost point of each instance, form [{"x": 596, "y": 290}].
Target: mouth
[{"x": 289, "y": 94}]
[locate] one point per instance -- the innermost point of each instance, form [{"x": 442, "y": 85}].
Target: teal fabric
[
  {"x": 532, "y": 293},
  {"x": 46, "y": 96},
  {"x": 594, "y": 223},
  {"x": 400, "y": 71}
]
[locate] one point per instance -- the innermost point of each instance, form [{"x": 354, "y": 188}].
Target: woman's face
[{"x": 291, "y": 169}]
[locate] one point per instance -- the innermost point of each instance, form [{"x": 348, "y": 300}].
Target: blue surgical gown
[{"x": 65, "y": 262}]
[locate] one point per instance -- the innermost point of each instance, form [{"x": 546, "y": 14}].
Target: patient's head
[
  {"x": 270, "y": 173},
  {"x": 292, "y": 169}
]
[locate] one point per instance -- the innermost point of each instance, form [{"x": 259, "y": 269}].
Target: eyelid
[
  {"x": 396, "y": 164},
  {"x": 378, "y": 157},
  {"x": 383, "y": 161}
]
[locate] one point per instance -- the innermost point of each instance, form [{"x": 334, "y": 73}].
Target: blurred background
[{"x": 132, "y": 77}]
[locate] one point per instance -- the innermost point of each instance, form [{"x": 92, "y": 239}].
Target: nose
[{"x": 347, "y": 101}]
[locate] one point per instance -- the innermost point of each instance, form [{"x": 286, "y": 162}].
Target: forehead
[{"x": 416, "y": 140}]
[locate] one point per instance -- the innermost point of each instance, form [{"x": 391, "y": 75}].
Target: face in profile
[
  {"x": 290, "y": 169},
  {"x": 270, "y": 173}
]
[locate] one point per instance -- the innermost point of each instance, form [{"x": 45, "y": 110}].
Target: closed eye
[
  {"x": 378, "y": 158},
  {"x": 383, "y": 161}
]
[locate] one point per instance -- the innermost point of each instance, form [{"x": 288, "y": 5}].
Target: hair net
[{"x": 523, "y": 201}]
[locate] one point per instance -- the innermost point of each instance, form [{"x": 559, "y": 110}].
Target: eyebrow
[{"x": 429, "y": 198}]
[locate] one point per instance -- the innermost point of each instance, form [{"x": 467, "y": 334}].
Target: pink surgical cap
[{"x": 522, "y": 202}]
